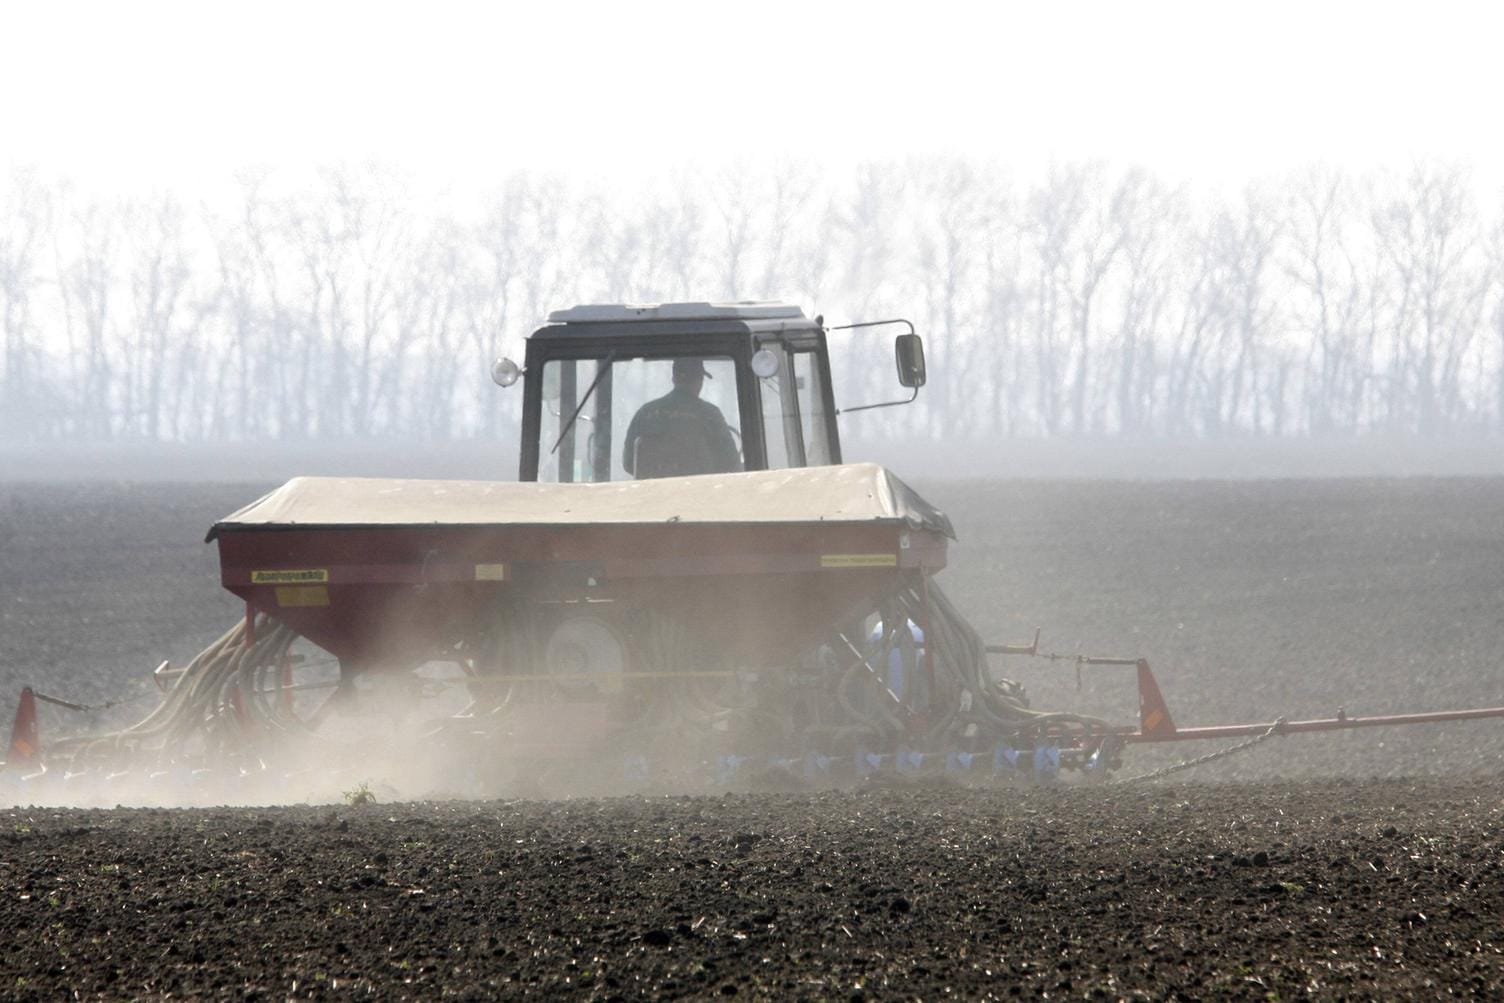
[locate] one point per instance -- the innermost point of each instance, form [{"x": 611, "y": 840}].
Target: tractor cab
[{"x": 628, "y": 392}]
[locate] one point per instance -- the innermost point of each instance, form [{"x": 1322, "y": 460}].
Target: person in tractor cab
[{"x": 680, "y": 434}]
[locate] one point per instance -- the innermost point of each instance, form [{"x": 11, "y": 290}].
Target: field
[{"x": 1360, "y": 864}]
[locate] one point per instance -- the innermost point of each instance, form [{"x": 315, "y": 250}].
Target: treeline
[{"x": 1090, "y": 301}]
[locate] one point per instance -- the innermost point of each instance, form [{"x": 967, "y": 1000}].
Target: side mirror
[{"x": 908, "y": 351}]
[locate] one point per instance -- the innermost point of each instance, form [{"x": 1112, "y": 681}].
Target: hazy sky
[{"x": 179, "y": 95}]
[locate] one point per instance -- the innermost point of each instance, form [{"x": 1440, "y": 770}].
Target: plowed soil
[
  {"x": 1359, "y": 865},
  {"x": 1381, "y": 890}
]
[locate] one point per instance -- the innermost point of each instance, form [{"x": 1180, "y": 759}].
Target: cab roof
[{"x": 621, "y": 313}]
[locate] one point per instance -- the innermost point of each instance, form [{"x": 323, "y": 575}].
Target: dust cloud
[{"x": 236, "y": 728}]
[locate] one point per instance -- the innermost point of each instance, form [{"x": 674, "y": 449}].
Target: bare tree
[
  {"x": 1496, "y": 269},
  {"x": 1149, "y": 217},
  {"x": 25, "y": 225},
  {"x": 948, "y": 244},
  {"x": 999, "y": 348},
  {"x": 1431, "y": 239},
  {"x": 87, "y": 250},
  {"x": 525, "y": 271},
  {"x": 1053, "y": 213},
  {"x": 1077, "y": 240},
  {"x": 431, "y": 318},
  {"x": 737, "y": 202},
  {"x": 347, "y": 238},
  {"x": 861, "y": 225},
  {"x": 1336, "y": 299},
  {"x": 675, "y": 238},
  {"x": 792, "y": 190},
  {"x": 1249, "y": 255},
  {"x": 1094, "y": 302},
  {"x": 272, "y": 348},
  {"x": 159, "y": 277}
]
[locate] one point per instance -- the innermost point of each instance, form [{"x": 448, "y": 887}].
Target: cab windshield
[{"x": 638, "y": 418}]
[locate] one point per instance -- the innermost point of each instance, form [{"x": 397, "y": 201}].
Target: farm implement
[{"x": 684, "y": 589}]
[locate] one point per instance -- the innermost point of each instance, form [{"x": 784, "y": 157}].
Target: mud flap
[
  {"x": 1153, "y": 713},
  {"x": 25, "y": 750}
]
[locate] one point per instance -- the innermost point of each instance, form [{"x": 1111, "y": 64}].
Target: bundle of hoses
[
  {"x": 219, "y": 704},
  {"x": 695, "y": 695},
  {"x": 951, "y": 690},
  {"x": 964, "y": 704}
]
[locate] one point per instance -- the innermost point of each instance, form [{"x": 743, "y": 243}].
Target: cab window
[
  {"x": 638, "y": 418},
  {"x": 809, "y": 379},
  {"x": 794, "y": 415}
]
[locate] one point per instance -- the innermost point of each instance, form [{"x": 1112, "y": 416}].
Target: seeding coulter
[{"x": 686, "y": 586}]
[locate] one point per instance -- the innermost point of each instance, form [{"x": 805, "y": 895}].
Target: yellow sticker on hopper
[
  {"x": 858, "y": 560},
  {"x": 302, "y": 595},
  {"x": 490, "y": 572},
  {"x": 290, "y": 577}
]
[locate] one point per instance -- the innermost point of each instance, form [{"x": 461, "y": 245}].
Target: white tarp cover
[{"x": 855, "y": 492}]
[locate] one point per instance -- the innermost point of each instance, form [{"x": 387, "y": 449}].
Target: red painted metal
[
  {"x": 25, "y": 745},
  {"x": 399, "y": 596},
  {"x": 1340, "y": 723},
  {"x": 1153, "y": 713},
  {"x": 1156, "y": 724}
]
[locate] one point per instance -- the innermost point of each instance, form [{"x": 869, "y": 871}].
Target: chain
[
  {"x": 92, "y": 708},
  {"x": 1210, "y": 757}
]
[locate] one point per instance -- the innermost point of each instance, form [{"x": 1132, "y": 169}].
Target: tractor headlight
[
  {"x": 764, "y": 363},
  {"x": 505, "y": 372}
]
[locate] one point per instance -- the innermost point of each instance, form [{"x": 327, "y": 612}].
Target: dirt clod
[{"x": 1157, "y": 910}]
